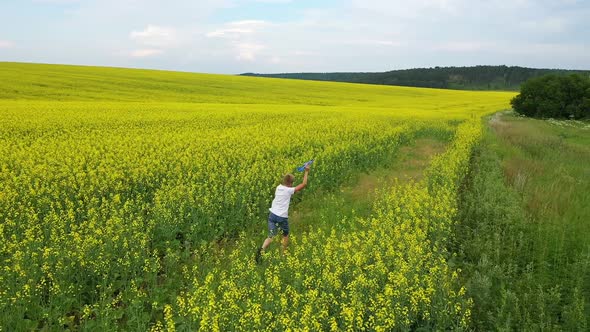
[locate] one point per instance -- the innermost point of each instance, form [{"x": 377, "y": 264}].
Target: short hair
[{"x": 288, "y": 179}]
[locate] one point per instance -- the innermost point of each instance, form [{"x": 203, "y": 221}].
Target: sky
[{"x": 272, "y": 36}]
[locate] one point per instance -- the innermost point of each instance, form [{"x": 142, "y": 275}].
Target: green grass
[{"x": 525, "y": 223}]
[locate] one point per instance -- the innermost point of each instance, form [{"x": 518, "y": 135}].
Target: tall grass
[{"x": 523, "y": 239}]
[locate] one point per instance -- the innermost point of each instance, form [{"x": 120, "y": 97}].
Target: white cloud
[
  {"x": 154, "y": 40},
  {"x": 147, "y": 52},
  {"x": 234, "y": 30},
  {"x": 156, "y": 36},
  {"x": 229, "y": 32},
  {"x": 6, "y": 44},
  {"x": 242, "y": 37},
  {"x": 248, "y": 51}
]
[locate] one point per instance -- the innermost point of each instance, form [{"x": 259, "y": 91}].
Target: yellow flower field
[{"x": 118, "y": 186}]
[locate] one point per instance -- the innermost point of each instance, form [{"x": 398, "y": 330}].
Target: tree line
[{"x": 463, "y": 78}]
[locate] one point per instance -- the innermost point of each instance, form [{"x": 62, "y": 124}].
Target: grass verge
[{"x": 525, "y": 219}]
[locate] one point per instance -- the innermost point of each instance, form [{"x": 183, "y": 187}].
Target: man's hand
[{"x": 304, "y": 183}]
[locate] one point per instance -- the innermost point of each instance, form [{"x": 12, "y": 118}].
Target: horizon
[
  {"x": 278, "y": 73},
  {"x": 296, "y": 36}
]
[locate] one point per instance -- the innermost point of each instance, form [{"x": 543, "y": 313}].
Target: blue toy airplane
[{"x": 302, "y": 168}]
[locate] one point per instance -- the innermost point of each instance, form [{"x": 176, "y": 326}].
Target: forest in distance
[{"x": 462, "y": 78}]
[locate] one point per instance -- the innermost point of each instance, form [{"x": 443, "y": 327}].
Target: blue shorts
[{"x": 275, "y": 223}]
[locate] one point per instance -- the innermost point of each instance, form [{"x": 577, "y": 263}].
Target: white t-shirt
[{"x": 280, "y": 205}]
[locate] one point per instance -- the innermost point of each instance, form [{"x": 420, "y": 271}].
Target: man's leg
[
  {"x": 285, "y": 242},
  {"x": 260, "y": 250},
  {"x": 285, "y": 230},
  {"x": 272, "y": 230},
  {"x": 266, "y": 243}
]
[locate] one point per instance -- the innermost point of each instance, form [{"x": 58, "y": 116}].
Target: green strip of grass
[
  {"x": 525, "y": 220},
  {"x": 357, "y": 198}
]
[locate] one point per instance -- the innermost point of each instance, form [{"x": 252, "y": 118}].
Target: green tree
[{"x": 554, "y": 96}]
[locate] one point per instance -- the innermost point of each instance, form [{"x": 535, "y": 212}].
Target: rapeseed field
[{"x": 132, "y": 199}]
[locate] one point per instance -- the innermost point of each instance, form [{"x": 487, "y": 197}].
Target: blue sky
[{"x": 235, "y": 36}]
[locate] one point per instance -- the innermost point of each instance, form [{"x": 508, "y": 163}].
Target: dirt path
[{"x": 357, "y": 200}]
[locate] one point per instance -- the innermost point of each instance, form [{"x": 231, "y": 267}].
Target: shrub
[{"x": 554, "y": 96}]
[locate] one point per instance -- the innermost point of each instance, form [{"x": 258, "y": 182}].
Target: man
[{"x": 279, "y": 211}]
